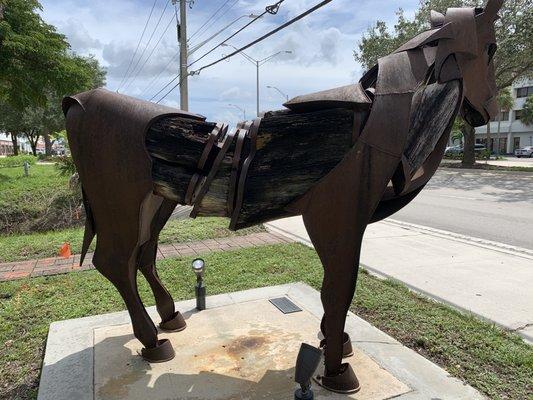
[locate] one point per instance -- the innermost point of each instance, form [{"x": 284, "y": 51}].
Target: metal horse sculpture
[{"x": 400, "y": 116}]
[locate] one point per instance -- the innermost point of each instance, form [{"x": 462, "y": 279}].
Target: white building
[
  {"x": 6, "y": 145},
  {"x": 513, "y": 133}
]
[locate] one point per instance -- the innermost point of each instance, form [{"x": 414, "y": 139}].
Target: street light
[
  {"x": 280, "y": 92},
  {"x": 240, "y": 109},
  {"x": 258, "y": 63}
]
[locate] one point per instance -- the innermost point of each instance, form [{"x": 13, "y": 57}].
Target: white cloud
[
  {"x": 79, "y": 37},
  {"x": 233, "y": 93},
  {"x": 322, "y": 48}
]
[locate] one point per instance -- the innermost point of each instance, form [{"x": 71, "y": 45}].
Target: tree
[
  {"x": 32, "y": 121},
  {"x": 31, "y": 53},
  {"x": 37, "y": 67},
  {"x": 35, "y": 60},
  {"x": 10, "y": 123},
  {"x": 513, "y": 60},
  {"x": 457, "y": 131},
  {"x": 505, "y": 103},
  {"x": 527, "y": 111},
  {"x": 88, "y": 75}
]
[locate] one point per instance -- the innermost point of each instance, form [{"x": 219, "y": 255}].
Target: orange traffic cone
[{"x": 65, "y": 250}]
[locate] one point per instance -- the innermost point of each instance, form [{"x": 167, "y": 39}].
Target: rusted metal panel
[
  {"x": 351, "y": 96},
  {"x": 387, "y": 158}
]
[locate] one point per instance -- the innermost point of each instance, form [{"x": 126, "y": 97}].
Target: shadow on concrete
[
  {"x": 137, "y": 379},
  {"x": 499, "y": 186}
]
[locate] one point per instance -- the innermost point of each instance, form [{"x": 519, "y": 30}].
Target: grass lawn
[
  {"x": 25, "y": 199},
  {"x": 18, "y": 247},
  {"x": 495, "y": 362}
]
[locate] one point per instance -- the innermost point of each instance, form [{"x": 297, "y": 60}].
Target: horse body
[{"x": 403, "y": 111}]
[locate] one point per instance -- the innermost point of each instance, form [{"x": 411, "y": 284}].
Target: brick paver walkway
[{"x": 58, "y": 265}]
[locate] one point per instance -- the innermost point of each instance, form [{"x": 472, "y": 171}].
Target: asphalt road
[{"x": 496, "y": 206}]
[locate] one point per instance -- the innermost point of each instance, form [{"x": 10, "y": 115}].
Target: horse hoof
[
  {"x": 175, "y": 324},
  {"x": 345, "y": 382},
  {"x": 347, "y": 349},
  {"x": 161, "y": 353}
]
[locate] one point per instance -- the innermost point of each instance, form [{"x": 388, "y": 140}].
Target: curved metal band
[
  {"x": 203, "y": 186},
  {"x": 254, "y": 129},
  {"x": 241, "y": 136},
  {"x": 209, "y": 145}
]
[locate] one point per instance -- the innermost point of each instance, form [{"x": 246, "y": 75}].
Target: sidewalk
[
  {"x": 58, "y": 265},
  {"x": 489, "y": 280},
  {"x": 506, "y": 162}
]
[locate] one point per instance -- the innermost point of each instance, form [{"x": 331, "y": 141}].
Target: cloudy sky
[{"x": 322, "y": 47}]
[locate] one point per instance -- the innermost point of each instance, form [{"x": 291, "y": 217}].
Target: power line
[
  {"x": 228, "y": 9},
  {"x": 273, "y": 9},
  {"x": 171, "y": 89},
  {"x": 152, "y": 51},
  {"x": 165, "y": 68},
  {"x": 272, "y": 32},
  {"x": 209, "y": 19},
  {"x": 150, "y": 39},
  {"x": 268, "y": 10},
  {"x": 138, "y": 44},
  {"x": 164, "y": 87}
]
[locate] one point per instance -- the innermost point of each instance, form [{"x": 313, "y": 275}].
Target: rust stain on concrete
[{"x": 241, "y": 352}]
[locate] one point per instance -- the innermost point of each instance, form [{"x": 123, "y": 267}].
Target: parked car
[
  {"x": 458, "y": 150},
  {"x": 478, "y": 148},
  {"x": 524, "y": 152},
  {"x": 453, "y": 150}
]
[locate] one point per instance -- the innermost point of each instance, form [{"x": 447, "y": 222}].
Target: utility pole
[
  {"x": 184, "y": 56},
  {"x": 257, "y": 65}
]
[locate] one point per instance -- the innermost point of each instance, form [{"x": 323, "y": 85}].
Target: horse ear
[
  {"x": 437, "y": 19},
  {"x": 492, "y": 7}
]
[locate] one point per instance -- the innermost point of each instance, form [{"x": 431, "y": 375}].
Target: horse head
[{"x": 471, "y": 43}]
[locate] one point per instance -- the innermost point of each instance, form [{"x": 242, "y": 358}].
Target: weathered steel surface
[
  {"x": 351, "y": 97},
  {"x": 342, "y": 158}
]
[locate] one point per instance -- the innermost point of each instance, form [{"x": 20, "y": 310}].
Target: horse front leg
[
  {"x": 340, "y": 259},
  {"x": 336, "y": 213}
]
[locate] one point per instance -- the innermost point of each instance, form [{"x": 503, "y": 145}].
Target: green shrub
[
  {"x": 484, "y": 155},
  {"x": 17, "y": 161},
  {"x": 65, "y": 165},
  {"x": 39, "y": 202}
]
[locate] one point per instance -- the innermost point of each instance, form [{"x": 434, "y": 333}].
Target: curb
[{"x": 487, "y": 244}]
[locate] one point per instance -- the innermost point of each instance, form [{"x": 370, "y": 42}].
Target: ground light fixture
[
  {"x": 198, "y": 267},
  {"x": 307, "y": 362}
]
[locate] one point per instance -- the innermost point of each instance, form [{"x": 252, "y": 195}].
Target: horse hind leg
[
  {"x": 171, "y": 320},
  {"x": 123, "y": 276}
]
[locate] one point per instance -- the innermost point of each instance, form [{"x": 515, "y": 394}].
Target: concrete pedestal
[{"x": 241, "y": 347}]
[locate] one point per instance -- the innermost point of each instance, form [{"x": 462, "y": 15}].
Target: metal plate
[{"x": 285, "y": 305}]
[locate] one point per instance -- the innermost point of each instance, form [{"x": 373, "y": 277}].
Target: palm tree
[
  {"x": 506, "y": 103},
  {"x": 527, "y": 112}
]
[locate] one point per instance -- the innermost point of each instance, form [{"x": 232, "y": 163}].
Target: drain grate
[{"x": 285, "y": 305}]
